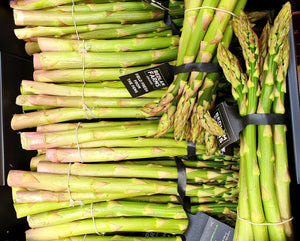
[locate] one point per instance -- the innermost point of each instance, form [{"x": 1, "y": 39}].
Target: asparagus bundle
[{"x": 258, "y": 182}]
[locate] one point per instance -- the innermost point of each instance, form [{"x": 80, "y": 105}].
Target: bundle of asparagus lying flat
[
  {"x": 99, "y": 59},
  {"x": 264, "y": 177},
  {"x": 119, "y": 197}
]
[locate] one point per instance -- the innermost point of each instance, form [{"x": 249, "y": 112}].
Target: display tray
[{"x": 15, "y": 65}]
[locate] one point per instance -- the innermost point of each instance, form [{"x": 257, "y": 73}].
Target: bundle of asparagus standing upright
[
  {"x": 264, "y": 200},
  {"x": 110, "y": 179}
]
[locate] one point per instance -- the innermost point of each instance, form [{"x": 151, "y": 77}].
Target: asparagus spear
[
  {"x": 33, "y": 119},
  {"x": 117, "y": 237},
  {"x": 150, "y": 29},
  {"x": 265, "y": 136},
  {"x": 114, "y": 154},
  {"x": 75, "y": 75},
  {"x": 35, "y": 180},
  {"x": 282, "y": 177},
  {"x": 142, "y": 224},
  {"x": 106, "y": 209},
  {"x": 139, "y": 171},
  {"x": 73, "y": 126},
  {"x": 48, "y": 18},
  {"x": 42, "y": 140},
  {"x": 112, "y": 45},
  {"x": 61, "y": 60}
]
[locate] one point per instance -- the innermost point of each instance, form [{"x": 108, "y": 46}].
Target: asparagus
[
  {"x": 90, "y": 75},
  {"x": 42, "y": 140},
  {"x": 119, "y": 45},
  {"x": 117, "y": 237},
  {"x": 139, "y": 171},
  {"x": 265, "y": 136},
  {"x": 195, "y": 28},
  {"x": 106, "y": 209},
  {"x": 33, "y": 119},
  {"x": 48, "y": 101},
  {"x": 207, "y": 48},
  {"x": 48, "y": 18},
  {"x": 35, "y": 180},
  {"x": 73, "y": 126},
  {"x": 50, "y": 196},
  {"x": 35, "y": 87},
  {"x": 282, "y": 178},
  {"x": 150, "y": 29},
  {"x": 121, "y": 6},
  {"x": 61, "y": 60},
  {"x": 143, "y": 224},
  {"x": 113, "y": 154},
  {"x": 131, "y": 142}
]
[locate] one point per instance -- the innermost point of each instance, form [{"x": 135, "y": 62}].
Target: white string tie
[
  {"x": 72, "y": 202},
  {"x": 77, "y": 142},
  {"x": 84, "y": 237},
  {"x": 264, "y": 224},
  {"x": 217, "y": 9},
  {"x": 92, "y": 213},
  {"x": 82, "y": 50}
]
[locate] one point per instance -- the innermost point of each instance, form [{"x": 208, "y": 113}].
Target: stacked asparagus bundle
[
  {"x": 264, "y": 176},
  {"x": 101, "y": 59},
  {"x": 186, "y": 104}
]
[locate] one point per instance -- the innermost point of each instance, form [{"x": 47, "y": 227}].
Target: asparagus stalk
[
  {"x": 61, "y": 60},
  {"x": 143, "y": 224},
  {"x": 48, "y": 18},
  {"x": 113, "y": 154},
  {"x": 121, "y": 6},
  {"x": 42, "y": 140},
  {"x": 139, "y": 171},
  {"x": 139, "y": 30},
  {"x": 119, "y": 45},
  {"x": 282, "y": 177},
  {"x": 117, "y": 237},
  {"x": 35, "y": 87},
  {"x": 73, "y": 126},
  {"x": 251, "y": 53},
  {"x": 35, "y": 180},
  {"x": 106, "y": 209},
  {"x": 48, "y": 101},
  {"x": 37, "y": 118},
  {"x": 50, "y": 196},
  {"x": 75, "y": 75}
]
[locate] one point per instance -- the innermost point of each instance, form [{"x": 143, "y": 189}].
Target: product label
[
  {"x": 147, "y": 80},
  {"x": 205, "y": 228},
  {"x": 231, "y": 122}
]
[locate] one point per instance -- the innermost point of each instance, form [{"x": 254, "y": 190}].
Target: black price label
[
  {"x": 205, "y": 228},
  {"x": 147, "y": 80}
]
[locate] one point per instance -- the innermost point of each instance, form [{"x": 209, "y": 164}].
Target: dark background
[{"x": 15, "y": 65}]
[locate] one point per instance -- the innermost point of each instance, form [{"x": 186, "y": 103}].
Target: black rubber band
[
  {"x": 181, "y": 186},
  {"x": 264, "y": 119},
  {"x": 169, "y": 22},
  {"x": 199, "y": 67},
  {"x": 191, "y": 151}
]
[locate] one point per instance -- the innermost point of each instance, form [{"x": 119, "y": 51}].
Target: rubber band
[
  {"x": 217, "y": 9},
  {"x": 93, "y": 218},
  {"x": 72, "y": 202},
  {"x": 263, "y": 224},
  {"x": 82, "y": 50}
]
